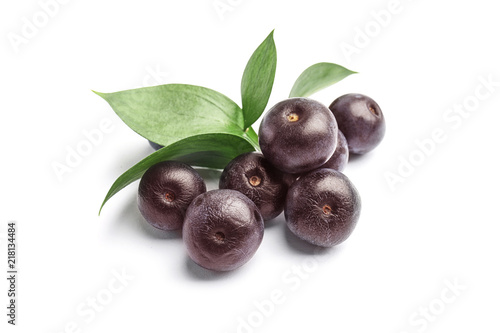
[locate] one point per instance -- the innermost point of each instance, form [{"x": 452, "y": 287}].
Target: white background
[{"x": 428, "y": 245}]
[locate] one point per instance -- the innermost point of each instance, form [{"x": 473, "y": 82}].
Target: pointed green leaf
[
  {"x": 213, "y": 150},
  {"x": 167, "y": 113},
  {"x": 317, "y": 77},
  {"x": 257, "y": 81}
]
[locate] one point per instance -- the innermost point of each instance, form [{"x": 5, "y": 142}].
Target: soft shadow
[
  {"x": 276, "y": 222},
  {"x": 212, "y": 175},
  {"x": 132, "y": 219},
  {"x": 353, "y": 158},
  {"x": 199, "y": 273},
  {"x": 358, "y": 158},
  {"x": 301, "y": 246}
]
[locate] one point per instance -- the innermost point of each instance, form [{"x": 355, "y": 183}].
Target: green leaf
[
  {"x": 257, "y": 81},
  {"x": 252, "y": 137},
  {"x": 317, "y": 77},
  {"x": 213, "y": 150},
  {"x": 167, "y": 113}
]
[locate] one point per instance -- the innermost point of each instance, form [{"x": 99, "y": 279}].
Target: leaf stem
[{"x": 252, "y": 137}]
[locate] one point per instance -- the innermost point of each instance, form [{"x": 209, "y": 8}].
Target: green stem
[{"x": 252, "y": 137}]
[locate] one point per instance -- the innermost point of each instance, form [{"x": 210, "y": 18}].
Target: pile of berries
[{"x": 305, "y": 146}]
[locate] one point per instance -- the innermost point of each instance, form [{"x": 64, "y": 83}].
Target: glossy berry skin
[
  {"x": 361, "y": 121},
  {"x": 252, "y": 175},
  {"x": 298, "y": 135},
  {"x": 340, "y": 157},
  {"x": 165, "y": 191},
  {"x": 322, "y": 207},
  {"x": 222, "y": 230}
]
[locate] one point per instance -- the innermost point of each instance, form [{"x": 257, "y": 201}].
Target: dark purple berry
[
  {"x": 298, "y": 135},
  {"x": 165, "y": 192},
  {"x": 289, "y": 178},
  {"x": 322, "y": 207},
  {"x": 340, "y": 157},
  {"x": 252, "y": 175},
  {"x": 222, "y": 230},
  {"x": 361, "y": 121}
]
